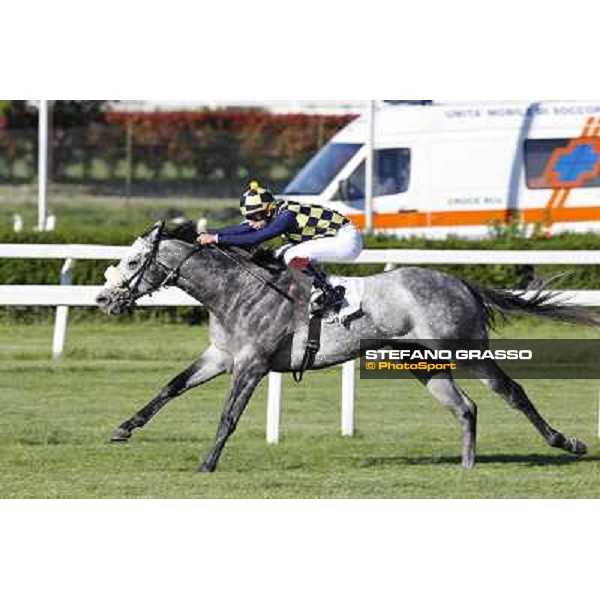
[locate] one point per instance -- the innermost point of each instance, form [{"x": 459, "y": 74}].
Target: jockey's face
[
  {"x": 257, "y": 220},
  {"x": 258, "y": 224}
]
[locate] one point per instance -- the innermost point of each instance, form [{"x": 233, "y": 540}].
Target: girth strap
[{"x": 313, "y": 344}]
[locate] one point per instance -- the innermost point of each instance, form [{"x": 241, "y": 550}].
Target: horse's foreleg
[
  {"x": 244, "y": 381},
  {"x": 443, "y": 387},
  {"x": 212, "y": 363}
]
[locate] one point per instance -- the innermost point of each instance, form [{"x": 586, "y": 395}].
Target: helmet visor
[{"x": 257, "y": 216}]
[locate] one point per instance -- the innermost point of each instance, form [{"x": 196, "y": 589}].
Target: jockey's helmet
[{"x": 256, "y": 200}]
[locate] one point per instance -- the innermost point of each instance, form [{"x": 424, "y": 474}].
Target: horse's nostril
[{"x": 100, "y": 299}]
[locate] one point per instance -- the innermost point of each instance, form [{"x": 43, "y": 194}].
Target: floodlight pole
[
  {"x": 43, "y": 164},
  {"x": 369, "y": 146}
]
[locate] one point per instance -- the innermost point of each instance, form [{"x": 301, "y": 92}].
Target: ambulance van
[{"x": 462, "y": 169}]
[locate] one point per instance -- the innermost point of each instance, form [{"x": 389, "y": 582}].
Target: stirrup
[{"x": 330, "y": 300}]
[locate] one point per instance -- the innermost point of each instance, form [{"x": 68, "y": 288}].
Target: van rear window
[{"x": 564, "y": 162}]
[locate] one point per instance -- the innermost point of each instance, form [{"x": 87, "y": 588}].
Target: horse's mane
[
  {"x": 185, "y": 232},
  {"x": 262, "y": 257}
]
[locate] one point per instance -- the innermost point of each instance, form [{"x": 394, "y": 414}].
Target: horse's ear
[{"x": 155, "y": 231}]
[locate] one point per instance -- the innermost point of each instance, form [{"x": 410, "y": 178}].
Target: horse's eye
[{"x": 132, "y": 264}]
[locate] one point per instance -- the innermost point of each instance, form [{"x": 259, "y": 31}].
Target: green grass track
[{"x": 56, "y": 418}]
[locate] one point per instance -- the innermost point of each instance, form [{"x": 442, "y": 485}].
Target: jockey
[{"x": 314, "y": 234}]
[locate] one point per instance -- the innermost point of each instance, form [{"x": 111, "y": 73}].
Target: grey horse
[{"x": 259, "y": 315}]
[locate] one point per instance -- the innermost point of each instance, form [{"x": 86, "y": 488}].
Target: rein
[
  {"x": 173, "y": 274},
  {"x": 260, "y": 278}
]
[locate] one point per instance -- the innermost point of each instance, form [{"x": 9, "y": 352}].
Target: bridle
[{"x": 172, "y": 273}]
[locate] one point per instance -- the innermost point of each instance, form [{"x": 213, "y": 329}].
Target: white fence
[{"x": 65, "y": 295}]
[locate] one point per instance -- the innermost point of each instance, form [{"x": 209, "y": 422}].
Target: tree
[
  {"x": 21, "y": 114},
  {"x": 78, "y": 113}
]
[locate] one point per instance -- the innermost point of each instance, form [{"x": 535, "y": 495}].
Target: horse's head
[{"x": 136, "y": 275}]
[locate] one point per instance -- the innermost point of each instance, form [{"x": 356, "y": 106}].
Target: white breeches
[{"x": 344, "y": 247}]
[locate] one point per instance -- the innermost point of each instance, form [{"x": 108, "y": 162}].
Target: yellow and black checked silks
[{"x": 313, "y": 221}]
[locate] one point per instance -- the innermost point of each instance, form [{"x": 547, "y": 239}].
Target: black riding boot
[{"x": 331, "y": 297}]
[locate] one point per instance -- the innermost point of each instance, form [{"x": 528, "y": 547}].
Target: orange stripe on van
[
  {"x": 476, "y": 217},
  {"x": 555, "y": 197},
  {"x": 589, "y": 124},
  {"x": 563, "y": 199}
]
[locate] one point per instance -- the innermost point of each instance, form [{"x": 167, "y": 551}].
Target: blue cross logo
[{"x": 582, "y": 160}]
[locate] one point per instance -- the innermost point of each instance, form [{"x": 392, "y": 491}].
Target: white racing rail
[
  {"x": 65, "y": 295},
  {"x": 405, "y": 257}
]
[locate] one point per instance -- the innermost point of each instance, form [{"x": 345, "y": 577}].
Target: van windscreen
[{"x": 318, "y": 173}]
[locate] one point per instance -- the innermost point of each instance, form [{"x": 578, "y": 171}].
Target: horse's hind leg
[
  {"x": 443, "y": 387},
  {"x": 500, "y": 383},
  {"x": 212, "y": 363}
]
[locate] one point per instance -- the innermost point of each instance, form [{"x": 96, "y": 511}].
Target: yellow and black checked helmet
[{"x": 256, "y": 199}]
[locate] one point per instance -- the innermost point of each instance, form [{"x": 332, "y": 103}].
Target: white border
[
  {"x": 296, "y": 549},
  {"x": 309, "y": 49},
  {"x": 459, "y": 50}
]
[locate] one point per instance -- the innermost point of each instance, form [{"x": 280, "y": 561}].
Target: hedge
[{"x": 198, "y": 152}]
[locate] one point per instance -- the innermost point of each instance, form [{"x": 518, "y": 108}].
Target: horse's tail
[{"x": 541, "y": 302}]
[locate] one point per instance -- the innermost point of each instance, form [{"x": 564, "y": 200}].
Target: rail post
[
  {"x": 348, "y": 387},
  {"x": 273, "y": 408},
  {"x": 43, "y": 148},
  {"x": 369, "y": 166},
  {"x": 62, "y": 312}
]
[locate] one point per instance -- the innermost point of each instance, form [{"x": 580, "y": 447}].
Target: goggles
[{"x": 257, "y": 216}]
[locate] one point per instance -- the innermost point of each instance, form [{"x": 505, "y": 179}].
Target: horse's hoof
[
  {"x": 576, "y": 446},
  {"x": 468, "y": 464},
  {"x": 120, "y": 435},
  {"x": 204, "y": 468}
]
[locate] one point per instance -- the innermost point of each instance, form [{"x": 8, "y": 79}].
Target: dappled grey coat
[{"x": 255, "y": 329}]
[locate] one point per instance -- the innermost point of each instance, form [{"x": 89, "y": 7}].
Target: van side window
[
  {"x": 392, "y": 168},
  {"x": 567, "y": 162}
]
